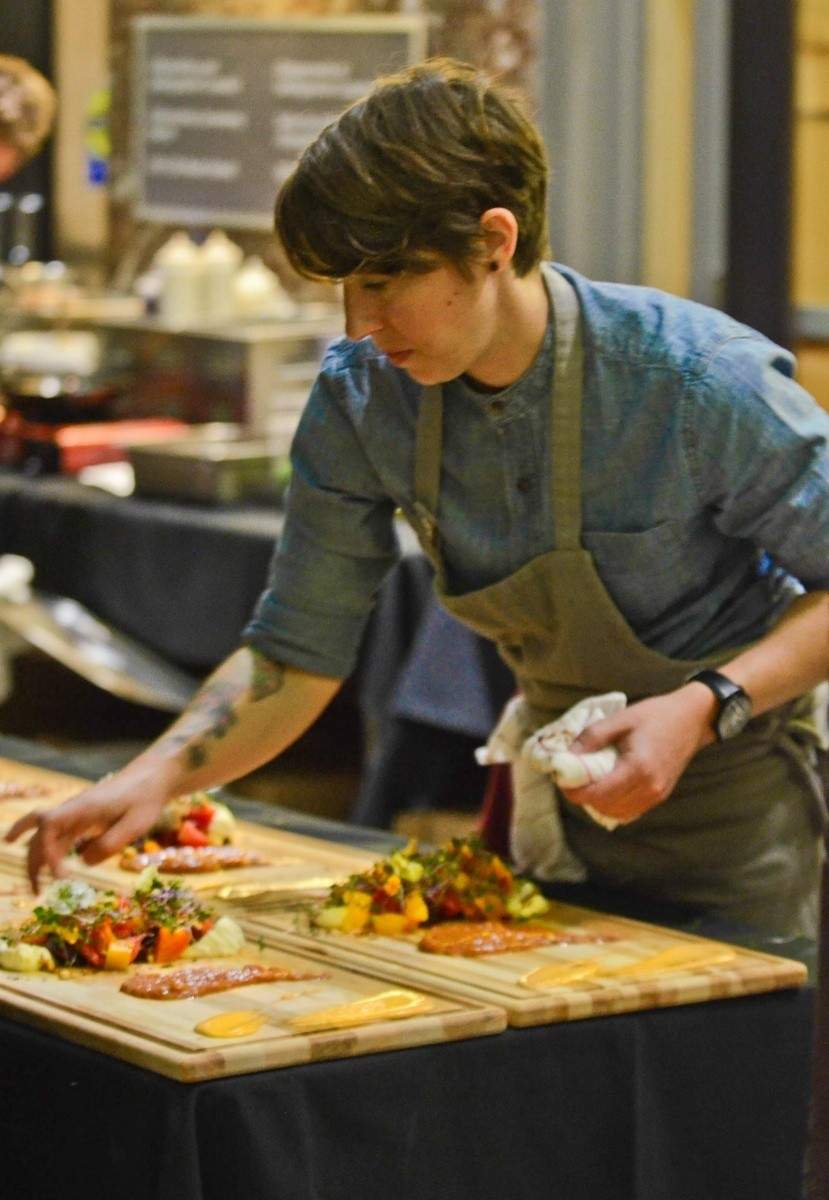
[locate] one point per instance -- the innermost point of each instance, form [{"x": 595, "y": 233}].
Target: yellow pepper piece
[
  {"x": 392, "y": 885},
  {"x": 499, "y": 870},
  {"x": 119, "y": 954},
  {"x": 389, "y": 924},
  {"x": 415, "y": 909},
  {"x": 357, "y": 899},
  {"x": 355, "y": 919}
]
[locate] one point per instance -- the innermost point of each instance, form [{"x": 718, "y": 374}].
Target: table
[
  {"x": 699, "y": 1102},
  {"x": 183, "y": 578}
]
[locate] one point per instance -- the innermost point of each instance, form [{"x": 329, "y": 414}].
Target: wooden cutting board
[
  {"x": 292, "y": 859},
  {"x": 89, "y": 1009},
  {"x": 621, "y": 974}
]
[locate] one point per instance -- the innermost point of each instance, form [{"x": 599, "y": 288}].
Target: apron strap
[
  {"x": 428, "y": 461},
  {"x": 565, "y": 413}
]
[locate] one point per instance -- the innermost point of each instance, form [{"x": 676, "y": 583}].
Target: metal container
[{"x": 214, "y": 463}]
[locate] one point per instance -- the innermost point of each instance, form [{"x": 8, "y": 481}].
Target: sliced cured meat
[
  {"x": 199, "y": 980},
  {"x": 471, "y": 938},
  {"x": 190, "y": 860}
]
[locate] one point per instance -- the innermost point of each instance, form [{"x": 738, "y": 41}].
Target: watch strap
[{"x": 722, "y": 687}]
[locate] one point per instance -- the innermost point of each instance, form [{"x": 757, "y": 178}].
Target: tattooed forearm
[
  {"x": 211, "y": 716},
  {"x": 224, "y": 718},
  {"x": 213, "y": 711},
  {"x": 268, "y": 677}
]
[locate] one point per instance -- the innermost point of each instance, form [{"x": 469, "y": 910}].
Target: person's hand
[
  {"x": 99, "y": 820},
  {"x": 655, "y": 739}
]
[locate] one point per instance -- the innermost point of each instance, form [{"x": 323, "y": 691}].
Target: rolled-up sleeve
[
  {"x": 758, "y": 446},
  {"x": 337, "y": 545}
]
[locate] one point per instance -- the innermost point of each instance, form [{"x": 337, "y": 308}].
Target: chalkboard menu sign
[{"x": 223, "y": 108}]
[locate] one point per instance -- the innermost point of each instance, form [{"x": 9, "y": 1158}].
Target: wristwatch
[{"x": 735, "y": 705}]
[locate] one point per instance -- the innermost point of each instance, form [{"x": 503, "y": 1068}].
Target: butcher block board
[
  {"x": 496, "y": 978},
  {"x": 89, "y": 1009},
  {"x": 293, "y": 859}
]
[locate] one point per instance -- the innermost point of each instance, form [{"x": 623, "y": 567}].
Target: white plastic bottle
[
  {"x": 259, "y": 294},
  {"x": 220, "y": 260},
  {"x": 180, "y": 298}
]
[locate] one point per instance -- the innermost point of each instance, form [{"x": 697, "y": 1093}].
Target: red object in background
[
  {"x": 496, "y": 813},
  {"x": 42, "y": 448}
]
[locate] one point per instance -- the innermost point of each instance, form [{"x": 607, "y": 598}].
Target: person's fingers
[
  {"x": 602, "y": 733},
  {"x": 113, "y": 839},
  {"x": 47, "y": 848},
  {"x": 21, "y": 825},
  {"x": 634, "y": 785},
  {"x": 613, "y": 789},
  {"x": 56, "y": 832}
]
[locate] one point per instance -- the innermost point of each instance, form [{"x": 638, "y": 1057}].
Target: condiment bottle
[
  {"x": 258, "y": 292},
  {"x": 180, "y": 298},
  {"x": 220, "y": 260}
]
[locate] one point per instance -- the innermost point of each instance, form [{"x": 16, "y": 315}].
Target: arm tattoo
[
  {"x": 268, "y": 677},
  {"x": 215, "y": 703}
]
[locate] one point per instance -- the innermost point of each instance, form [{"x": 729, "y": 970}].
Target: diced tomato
[
  {"x": 102, "y": 935},
  {"x": 123, "y": 929},
  {"x": 201, "y": 816},
  {"x": 450, "y": 905},
  {"x": 92, "y": 956},
  {"x": 171, "y": 944},
  {"x": 190, "y": 835}
]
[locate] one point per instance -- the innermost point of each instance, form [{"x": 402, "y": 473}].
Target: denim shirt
[{"x": 705, "y": 478}]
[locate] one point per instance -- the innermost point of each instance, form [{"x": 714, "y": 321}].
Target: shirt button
[{"x": 524, "y": 483}]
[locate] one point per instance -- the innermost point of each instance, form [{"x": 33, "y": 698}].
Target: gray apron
[{"x": 740, "y": 835}]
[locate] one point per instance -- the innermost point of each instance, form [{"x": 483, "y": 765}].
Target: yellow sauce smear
[
  {"x": 675, "y": 958},
  {"x": 232, "y": 1024},
  {"x": 385, "y": 1006},
  {"x": 679, "y": 957},
  {"x": 558, "y": 974}
]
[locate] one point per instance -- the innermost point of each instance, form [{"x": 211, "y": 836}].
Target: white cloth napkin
[{"x": 541, "y": 759}]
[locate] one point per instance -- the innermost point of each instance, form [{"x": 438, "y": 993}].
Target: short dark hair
[{"x": 408, "y": 171}]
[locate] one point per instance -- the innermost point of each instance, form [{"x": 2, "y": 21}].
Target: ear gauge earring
[{"x": 493, "y": 266}]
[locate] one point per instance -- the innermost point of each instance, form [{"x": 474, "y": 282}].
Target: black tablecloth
[
  {"x": 698, "y": 1102},
  {"x": 702, "y": 1102}
]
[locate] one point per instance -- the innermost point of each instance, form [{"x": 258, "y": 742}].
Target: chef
[{"x": 626, "y": 491}]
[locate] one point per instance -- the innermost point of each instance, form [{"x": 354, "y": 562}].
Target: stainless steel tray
[{"x": 215, "y": 463}]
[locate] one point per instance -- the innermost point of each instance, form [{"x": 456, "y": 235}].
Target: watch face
[{"x": 735, "y": 714}]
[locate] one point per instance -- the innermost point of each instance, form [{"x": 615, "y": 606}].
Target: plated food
[
  {"x": 189, "y": 860},
  {"x": 78, "y": 926},
  {"x": 460, "y": 882},
  {"x": 193, "y": 834}
]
